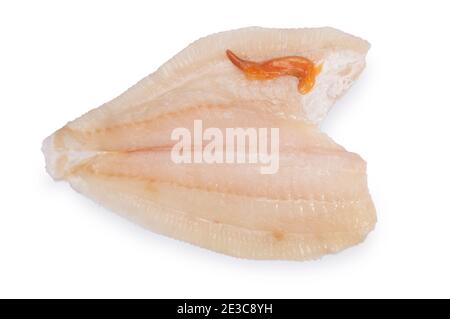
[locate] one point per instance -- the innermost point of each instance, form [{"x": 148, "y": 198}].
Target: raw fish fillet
[{"x": 316, "y": 203}]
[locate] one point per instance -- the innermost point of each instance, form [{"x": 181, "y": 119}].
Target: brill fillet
[{"x": 317, "y": 202}]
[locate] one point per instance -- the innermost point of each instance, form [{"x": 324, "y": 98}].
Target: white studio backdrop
[{"x": 60, "y": 59}]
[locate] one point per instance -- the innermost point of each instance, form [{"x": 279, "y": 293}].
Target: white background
[{"x": 58, "y": 60}]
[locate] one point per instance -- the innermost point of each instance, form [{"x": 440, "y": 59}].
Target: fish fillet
[{"x": 316, "y": 203}]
